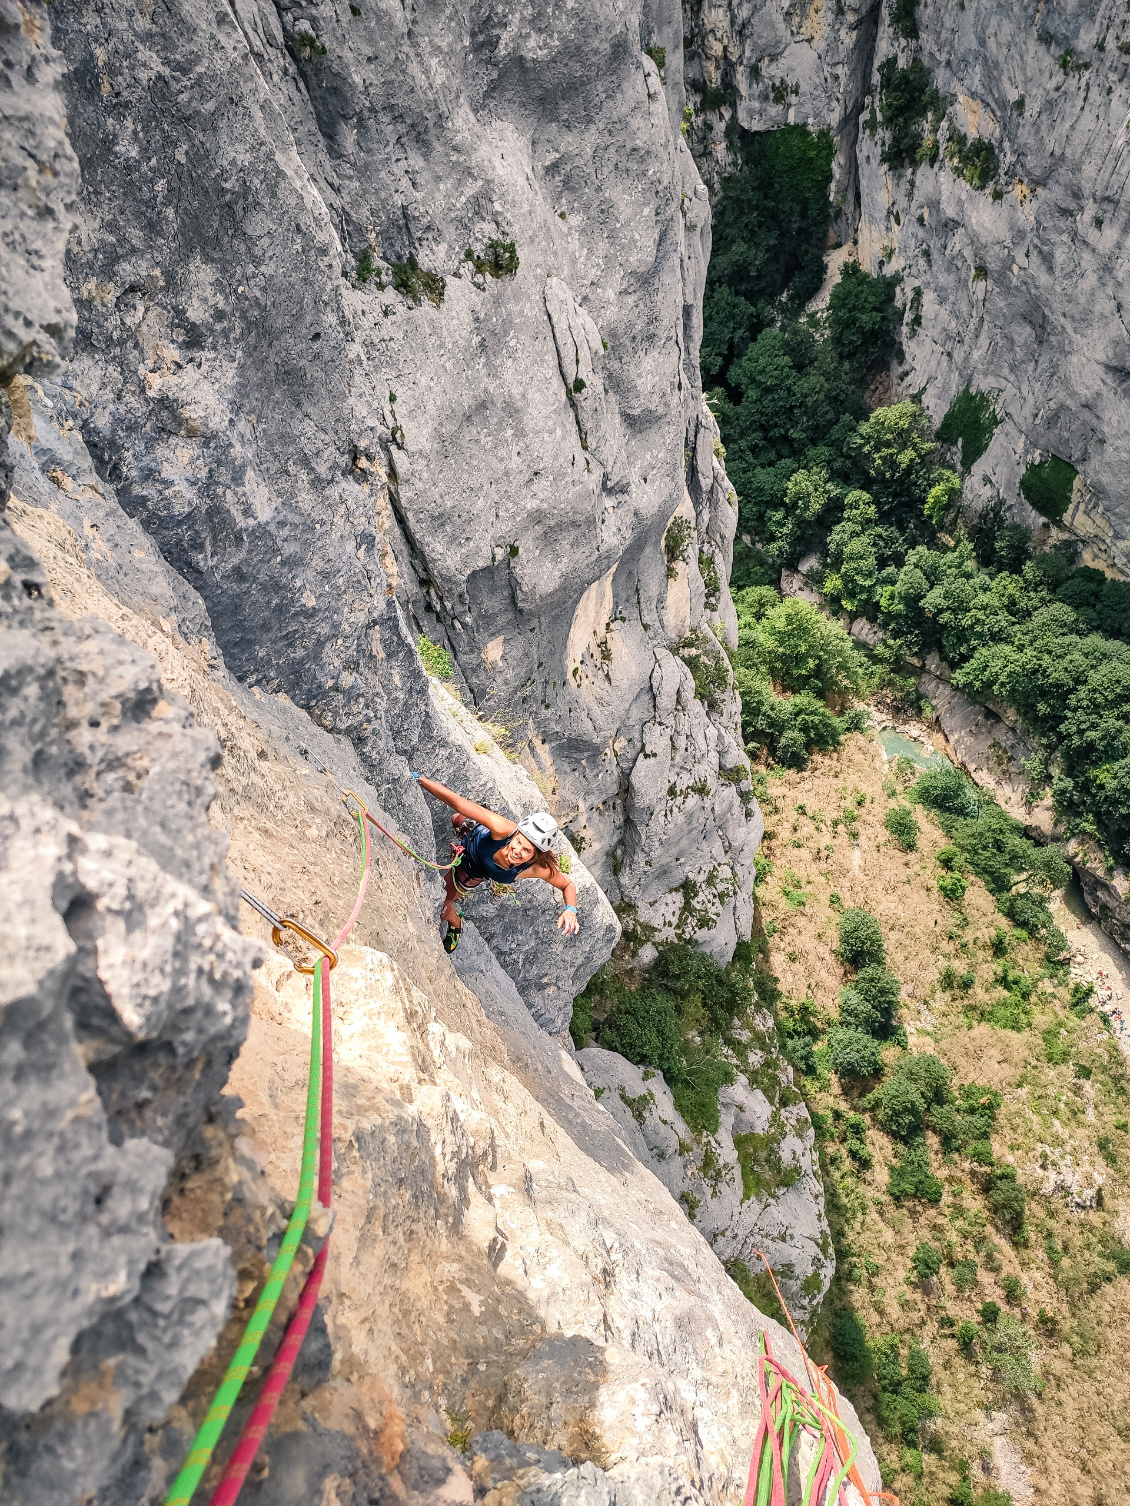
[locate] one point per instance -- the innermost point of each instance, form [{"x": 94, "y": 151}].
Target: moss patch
[
  {"x": 971, "y": 421},
  {"x": 1047, "y": 487}
]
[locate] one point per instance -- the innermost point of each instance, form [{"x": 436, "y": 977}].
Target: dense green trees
[
  {"x": 675, "y": 1018},
  {"x": 793, "y": 646},
  {"x": 868, "y": 492},
  {"x": 769, "y": 230}
]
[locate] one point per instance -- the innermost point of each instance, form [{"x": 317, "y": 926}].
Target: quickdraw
[
  {"x": 281, "y": 923},
  {"x": 317, "y": 1145}
]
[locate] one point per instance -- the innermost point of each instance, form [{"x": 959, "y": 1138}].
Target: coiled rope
[
  {"x": 788, "y": 1411},
  {"x": 315, "y": 1146}
]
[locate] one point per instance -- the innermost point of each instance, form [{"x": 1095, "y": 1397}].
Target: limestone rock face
[
  {"x": 991, "y": 750},
  {"x": 39, "y": 179},
  {"x": 1017, "y": 292},
  {"x": 125, "y": 998},
  {"x": 1021, "y": 293},
  {"x": 781, "y": 63},
  {"x": 498, "y": 1256},
  {"x": 387, "y": 324},
  {"x": 493, "y": 1226},
  {"x": 411, "y": 344},
  {"x": 776, "y": 1208}
]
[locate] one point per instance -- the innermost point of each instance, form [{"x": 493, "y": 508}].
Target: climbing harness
[
  {"x": 789, "y": 1412},
  {"x": 317, "y": 1146}
]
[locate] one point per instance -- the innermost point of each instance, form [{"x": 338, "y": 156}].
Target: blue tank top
[{"x": 478, "y": 857}]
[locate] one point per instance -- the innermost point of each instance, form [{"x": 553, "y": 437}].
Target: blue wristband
[
  {"x": 572, "y": 907},
  {"x": 413, "y": 774}
]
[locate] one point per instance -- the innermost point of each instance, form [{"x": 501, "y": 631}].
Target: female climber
[{"x": 494, "y": 848}]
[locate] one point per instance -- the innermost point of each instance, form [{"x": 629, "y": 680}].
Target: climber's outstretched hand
[{"x": 567, "y": 923}]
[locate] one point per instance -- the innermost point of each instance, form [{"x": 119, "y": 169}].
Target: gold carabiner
[{"x": 308, "y": 936}]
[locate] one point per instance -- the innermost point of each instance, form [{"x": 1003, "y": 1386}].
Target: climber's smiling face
[{"x": 517, "y": 851}]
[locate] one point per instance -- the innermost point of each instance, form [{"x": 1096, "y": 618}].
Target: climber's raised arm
[{"x": 498, "y": 826}]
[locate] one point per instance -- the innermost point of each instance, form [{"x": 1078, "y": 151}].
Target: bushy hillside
[{"x": 974, "y": 1143}]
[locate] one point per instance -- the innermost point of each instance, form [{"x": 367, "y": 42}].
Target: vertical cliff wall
[
  {"x": 465, "y": 250},
  {"x": 298, "y": 424},
  {"x": 1013, "y": 259}
]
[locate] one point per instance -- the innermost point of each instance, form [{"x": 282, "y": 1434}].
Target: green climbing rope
[{"x": 244, "y": 1357}]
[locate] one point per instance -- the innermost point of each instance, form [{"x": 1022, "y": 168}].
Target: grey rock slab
[
  {"x": 1040, "y": 327},
  {"x": 601, "y": 1402},
  {"x": 648, "y": 1483},
  {"x": 783, "y": 1218},
  {"x": 125, "y": 999},
  {"x": 249, "y": 395},
  {"x": 39, "y": 181},
  {"x": 793, "y": 65},
  {"x": 543, "y": 1066},
  {"x": 52, "y": 469},
  {"x": 991, "y": 752}
]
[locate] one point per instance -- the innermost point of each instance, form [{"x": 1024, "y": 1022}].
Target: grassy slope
[{"x": 1070, "y": 1437}]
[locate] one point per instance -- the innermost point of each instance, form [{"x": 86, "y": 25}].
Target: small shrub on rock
[
  {"x": 435, "y": 658},
  {"x": 854, "y": 1054},
  {"x": 911, "y": 1175},
  {"x": 946, "y": 790},
  {"x": 926, "y": 1260},
  {"x": 701, "y": 653},
  {"x": 676, "y": 542},
  {"x": 1047, "y": 487},
  {"x": 417, "y": 283},
  {"x": 902, "y": 826},
  {"x": 966, "y": 1334},
  {"x": 1005, "y": 1196},
  {"x": 880, "y": 990},
  {"x": 953, "y": 887},
  {"x": 861, "y": 940},
  {"x": 850, "y": 1350},
  {"x": 642, "y": 1026}
]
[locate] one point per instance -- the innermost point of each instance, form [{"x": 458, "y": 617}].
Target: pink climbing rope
[
  {"x": 790, "y": 1410},
  {"x": 255, "y": 1429}
]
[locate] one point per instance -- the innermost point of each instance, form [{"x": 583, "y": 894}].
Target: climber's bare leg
[{"x": 449, "y": 912}]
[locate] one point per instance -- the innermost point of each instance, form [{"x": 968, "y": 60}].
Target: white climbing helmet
[{"x": 540, "y": 828}]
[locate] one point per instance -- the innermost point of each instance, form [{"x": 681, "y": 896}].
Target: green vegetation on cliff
[{"x": 867, "y": 493}]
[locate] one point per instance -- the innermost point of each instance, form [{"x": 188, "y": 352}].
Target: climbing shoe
[{"x": 451, "y": 938}]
